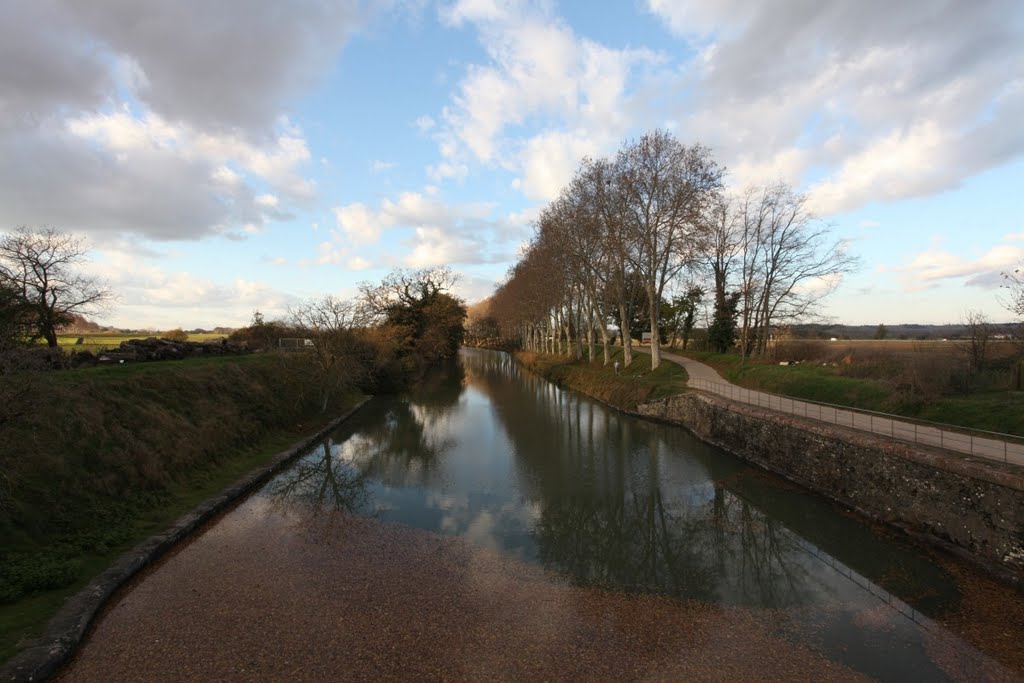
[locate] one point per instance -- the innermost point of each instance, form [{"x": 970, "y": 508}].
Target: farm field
[{"x": 101, "y": 342}]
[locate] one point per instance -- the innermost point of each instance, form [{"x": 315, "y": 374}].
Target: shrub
[{"x": 178, "y": 335}]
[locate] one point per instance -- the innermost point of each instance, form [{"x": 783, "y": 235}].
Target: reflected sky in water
[{"x": 495, "y": 454}]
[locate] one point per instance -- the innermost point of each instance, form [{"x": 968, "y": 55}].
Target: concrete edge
[
  {"x": 922, "y": 455},
  {"x": 982, "y": 469},
  {"x": 68, "y": 627},
  {"x": 975, "y": 467}
]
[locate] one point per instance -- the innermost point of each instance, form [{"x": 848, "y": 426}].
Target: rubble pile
[{"x": 151, "y": 349}]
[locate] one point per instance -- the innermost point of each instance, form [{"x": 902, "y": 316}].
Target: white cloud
[
  {"x": 238, "y": 72},
  {"x": 150, "y": 295},
  {"x": 205, "y": 127},
  {"x": 378, "y": 166},
  {"x": 424, "y": 124},
  {"x": 540, "y": 75},
  {"x": 358, "y": 263},
  {"x": 928, "y": 268},
  {"x": 473, "y": 289},
  {"x": 359, "y": 223},
  {"x": 439, "y": 232},
  {"x": 886, "y": 101}
]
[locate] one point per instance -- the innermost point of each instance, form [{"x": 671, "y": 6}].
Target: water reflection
[
  {"x": 508, "y": 460},
  {"x": 321, "y": 481}
]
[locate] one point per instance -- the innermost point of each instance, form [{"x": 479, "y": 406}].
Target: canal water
[{"x": 492, "y": 453}]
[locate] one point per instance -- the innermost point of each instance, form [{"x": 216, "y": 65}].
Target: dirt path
[
  {"x": 267, "y": 595},
  {"x": 705, "y": 378}
]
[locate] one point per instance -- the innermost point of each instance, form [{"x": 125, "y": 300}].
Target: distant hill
[{"x": 894, "y": 331}]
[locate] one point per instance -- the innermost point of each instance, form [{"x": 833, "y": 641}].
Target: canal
[
  {"x": 609, "y": 506},
  {"x": 497, "y": 455}
]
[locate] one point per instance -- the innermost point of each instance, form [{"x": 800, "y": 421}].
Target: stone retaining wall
[{"x": 973, "y": 505}]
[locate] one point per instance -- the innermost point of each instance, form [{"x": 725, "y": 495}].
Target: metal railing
[{"x": 992, "y": 445}]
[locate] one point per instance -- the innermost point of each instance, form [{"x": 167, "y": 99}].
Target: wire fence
[{"x": 992, "y": 445}]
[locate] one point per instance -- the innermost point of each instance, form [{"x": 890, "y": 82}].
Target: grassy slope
[
  {"x": 117, "y": 453},
  {"x": 995, "y": 411},
  {"x": 630, "y": 387}
]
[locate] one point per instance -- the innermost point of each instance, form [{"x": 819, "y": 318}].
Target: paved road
[{"x": 705, "y": 378}]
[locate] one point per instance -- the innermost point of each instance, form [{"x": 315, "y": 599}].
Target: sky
[{"x": 223, "y": 157}]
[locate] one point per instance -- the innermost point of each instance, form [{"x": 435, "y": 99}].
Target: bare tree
[
  {"x": 725, "y": 243},
  {"x": 41, "y": 266},
  {"x": 789, "y": 262},
  {"x": 979, "y": 334},
  {"x": 670, "y": 187},
  {"x": 328, "y": 324}
]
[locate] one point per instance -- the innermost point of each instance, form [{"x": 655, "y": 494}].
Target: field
[
  {"x": 940, "y": 381},
  {"x": 97, "y": 342}
]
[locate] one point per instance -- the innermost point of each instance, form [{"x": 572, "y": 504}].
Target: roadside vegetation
[
  {"x": 95, "y": 459},
  {"x": 934, "y": 381},
  {"x": 624, "y": 388}
]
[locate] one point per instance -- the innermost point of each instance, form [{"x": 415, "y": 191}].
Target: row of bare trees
[{"x": 656, "y": 218}]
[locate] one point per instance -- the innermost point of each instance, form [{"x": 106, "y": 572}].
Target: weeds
[
  {"x": 109, "y": 455},
  {"x": 625, "y": 388}
]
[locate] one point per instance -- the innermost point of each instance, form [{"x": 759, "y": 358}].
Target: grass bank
[
  {"x": 625, "y": 390},
  {"x": 110, "y": 455},
  {"x": 996, "y": 411}
]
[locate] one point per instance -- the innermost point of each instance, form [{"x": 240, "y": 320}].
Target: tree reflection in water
[
  {"x": 405, "y": 448},
  {"x": 490, "y": 451},
  {"x": 608, "y": 518},
  {"x": 321, "y": 481}
]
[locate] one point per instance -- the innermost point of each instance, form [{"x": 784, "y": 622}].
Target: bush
[{"x": 178, "y": 335}]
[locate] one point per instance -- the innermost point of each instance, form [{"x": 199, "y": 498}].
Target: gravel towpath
[
  {"x": 994, "y": 447},
  {"x": 270, "y": 594}
]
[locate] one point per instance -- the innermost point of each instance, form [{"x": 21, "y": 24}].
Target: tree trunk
[
  {"x": 627, "y": 340},
  {"x": 652, "y": 311},
  {"x": 604, "y": 341},
  {"x": 590, "y": 338}
]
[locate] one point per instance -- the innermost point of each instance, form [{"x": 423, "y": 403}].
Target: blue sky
[{"x": 249, "y": 154}]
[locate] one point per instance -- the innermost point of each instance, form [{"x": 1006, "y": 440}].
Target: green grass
[
  {"x": 104, "y": 342},
  {"x": 631, "y": 386},
  {"x": 998, "y": 411},
  {"x": 108, "y": 455},
  {"x": 91, "y": 551},
  {"x": 1001, "y": 411}
]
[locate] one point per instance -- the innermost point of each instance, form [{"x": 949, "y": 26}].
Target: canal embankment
[
  {"x": 108, "y": 456},
  {"x": 969, "y": 506}
]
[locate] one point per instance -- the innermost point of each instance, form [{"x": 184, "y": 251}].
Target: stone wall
[{"x": 970, "y": 504}]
